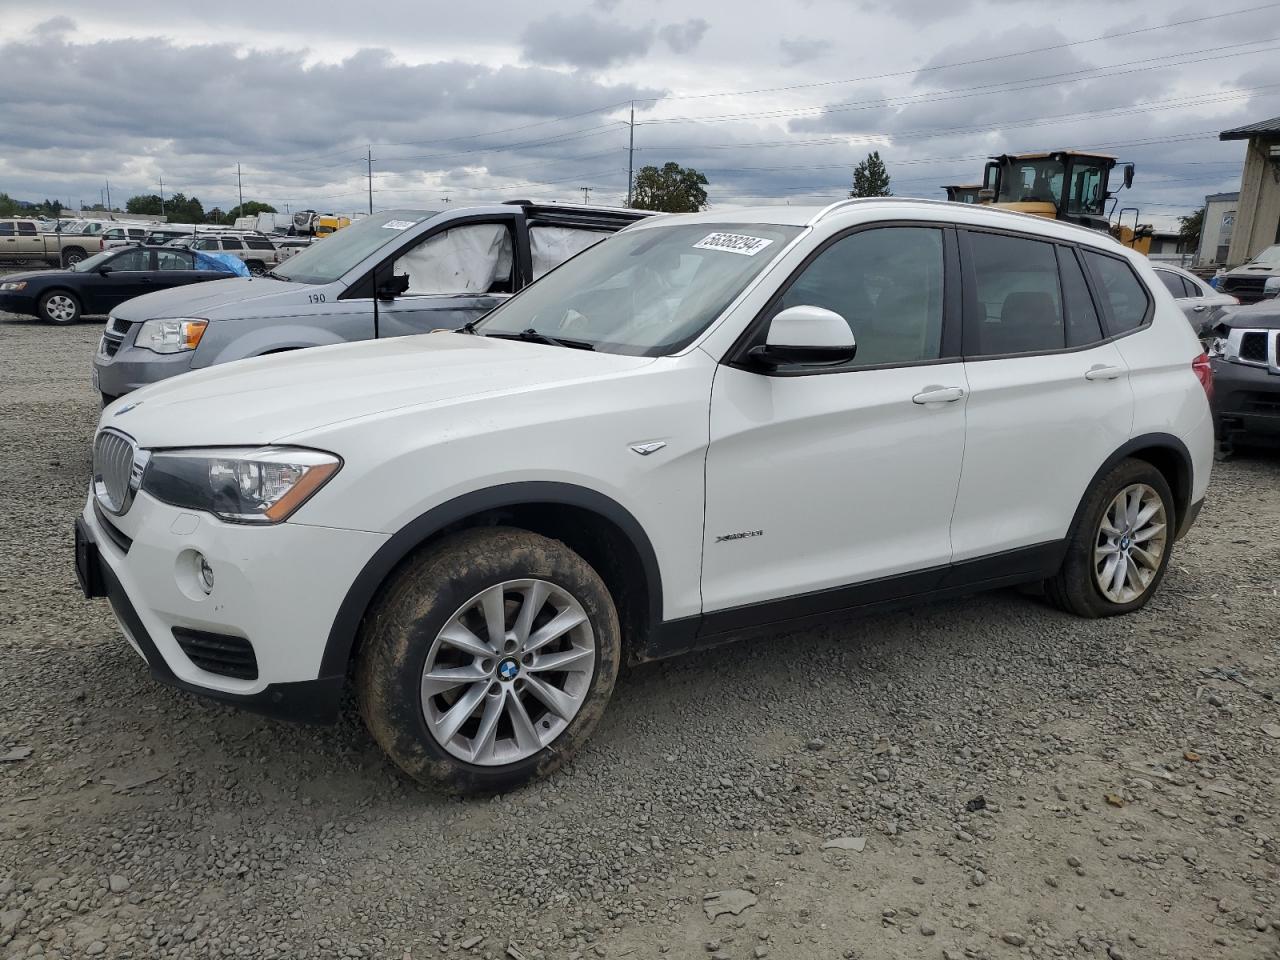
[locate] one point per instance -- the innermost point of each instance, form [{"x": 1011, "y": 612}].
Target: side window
[
  {"x": 7, "y": 230},
  {"x": 887, "y": 283},
  {"x": 231, "y": 243},
  {"x": 1083, "y": 325},
  {"x": 470, "y": 259},
  {"x": 26, "y": 229},
  {"x": 204, "y": 243},
  {"x": 253, "y": 244},
  {"x": 137, "y": 234},
  {"x": 1173, "y": 282},
  {"x": 113, "y": 234},
  {"x": 173, "y": 260},
  {"x": 1192, "y": 290},
  {"x": 1019, "y": 300},
  {"x": 551, "y": 246},
  {"x": 132, "y": 260},
  {"x": 1123, "y": 292}
]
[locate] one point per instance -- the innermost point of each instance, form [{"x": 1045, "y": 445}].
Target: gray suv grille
[{"x": 117, "y": 471}]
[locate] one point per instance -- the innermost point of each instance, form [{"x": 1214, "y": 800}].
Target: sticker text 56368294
[{"x": 732, "y": 243}]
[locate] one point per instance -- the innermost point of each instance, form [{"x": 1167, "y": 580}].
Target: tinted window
[
  {"x": 115, "y": 234},
  {"x": 132, "y": 260},
  {"x": 1191, "y": 288},
  {"x": 204, "y": 243},
  {"x": 1083, "y": 325},
  {"x": 7, "y": 230},
  {"x": 1123, "y": 293},
  {"x": 1019, "y": 301},
  {"x": 1173, "y": 282},
  {"x": 230, "y": 243},
  {"x": 259, "y": 245},
  {"x": 27, "y": 229},
  {"x": 173, "y": 260},
  {"x": 887, "y": 284},
  {"x": 137, "y": 234}
]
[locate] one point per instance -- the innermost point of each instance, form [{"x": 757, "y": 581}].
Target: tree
[
  {"x": 1189, "y": 229},
  {"x": 215, "y": 216},
  {"x": 250, "y": 208},
  {"x": 177, "y": 208},
  {"x": 673, "y": 189},
  {"x": 870, "y": 178},
  {"x": 8, "y": 206}
]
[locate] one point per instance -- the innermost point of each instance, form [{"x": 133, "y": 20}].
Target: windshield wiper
[
  {"x": 469, "y": 327},
  {"x": 275, "y": 276},
  {"x": 530, "y": 335}
]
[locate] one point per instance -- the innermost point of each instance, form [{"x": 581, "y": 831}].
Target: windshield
[
  {"x": 326, "y": 261},
  {"x": 1028, "y": 181},
  {"x": 92, "y": 263},
  {"x": 1269, "y": 257},
  {"x": 644, "y": 293}
]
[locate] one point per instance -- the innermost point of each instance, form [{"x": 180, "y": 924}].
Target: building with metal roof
[{"x": 1257, "y": 218}]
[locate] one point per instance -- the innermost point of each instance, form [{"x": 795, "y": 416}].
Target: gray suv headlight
[
  {"x": 176, "y": 335},
  {"x": 251, "y": 485}
]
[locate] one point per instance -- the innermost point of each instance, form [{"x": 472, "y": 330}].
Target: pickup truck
[{"x": 24, "y": 240}]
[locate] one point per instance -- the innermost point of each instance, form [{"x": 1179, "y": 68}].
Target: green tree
[
  {"x": 1189, "y": 229},
  {"x": 178, "y": 208},
  {"x": 673, "y": 189},
  {"x": 870, "y": 178},
  {"x": 8, "y": 206},
  {"x": 250, "y": 208},
  {"x": 215, "y": 216}
]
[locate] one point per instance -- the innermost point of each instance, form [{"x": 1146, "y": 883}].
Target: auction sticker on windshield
[
  {"x": 732, "y": 243},
  {"x": 397, "y": 225}
]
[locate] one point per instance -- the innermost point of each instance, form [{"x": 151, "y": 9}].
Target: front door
[
  {"x": 822, "y": 478},
  {"x": 1049, "y": 396},
  {"x": 130, "y": 276},
  {"x": 455, "y": 276}
]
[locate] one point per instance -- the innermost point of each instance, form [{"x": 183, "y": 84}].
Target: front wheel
[
  {"x": 59, "y": 308},
  {"x": 488, "y": 660},
  {"x": 1118, "y": 555}
]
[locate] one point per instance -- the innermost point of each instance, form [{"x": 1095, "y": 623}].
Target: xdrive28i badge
[{"x": 739, "y": 536}]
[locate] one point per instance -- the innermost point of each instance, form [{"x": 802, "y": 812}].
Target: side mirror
[
  {"x": 394, "y": 287},
  {"x": 1128, "y": 175},
  {"x": 806, "y": 335},
  {"x": 105, "y": 269}
]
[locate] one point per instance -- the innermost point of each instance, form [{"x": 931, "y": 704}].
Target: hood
[
  {"x": 1263, "y": 315},
  {"x": 1255, "y": 270},
  {"x": 31, "y": 275},
  {"x": 283, "y": 396},
  {"x": 211, "y": 300}
]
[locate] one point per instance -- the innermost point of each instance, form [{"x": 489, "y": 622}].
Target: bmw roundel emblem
[{"x": 508, "y": 669}]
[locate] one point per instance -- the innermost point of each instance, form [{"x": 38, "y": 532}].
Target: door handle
[
  {"x": 935, "y": 394},
  {"x": 1101, "y": 372},
  {"x": 1199, "y": 308}
]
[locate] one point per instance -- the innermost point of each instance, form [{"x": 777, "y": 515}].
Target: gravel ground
[{"x": 978, "y": 779}]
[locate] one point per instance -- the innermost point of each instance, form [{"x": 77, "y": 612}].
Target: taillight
[{"x": 1204, "y": 373}]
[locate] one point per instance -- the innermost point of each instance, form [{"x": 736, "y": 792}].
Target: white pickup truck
[{"x": 26, "y": 240}]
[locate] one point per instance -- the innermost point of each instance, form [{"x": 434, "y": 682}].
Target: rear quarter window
[{"x": 1124, "y": 295}]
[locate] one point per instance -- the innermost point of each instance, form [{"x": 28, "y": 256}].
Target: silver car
[
  {"x": 387, "y": 275},
  {"x": 1202, "y": 304}
]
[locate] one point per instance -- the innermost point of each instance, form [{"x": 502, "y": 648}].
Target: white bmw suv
[{"x": 703, "y": 426}]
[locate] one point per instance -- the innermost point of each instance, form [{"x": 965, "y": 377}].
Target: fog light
[{"x": 205, "y": 573}]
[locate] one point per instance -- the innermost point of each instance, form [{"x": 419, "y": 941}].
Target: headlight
[
  {"x": 1218, "y": 347},
  {"x": 13, "y": 285},
  {"x": 170, "y": 336},
  {"x": 255, "y": 485}
]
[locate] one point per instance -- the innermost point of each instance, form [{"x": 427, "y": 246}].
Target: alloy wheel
[
  {"x": 1130, "y": 544},
  {"x": 60, "y": 308},
  {"x": 508, "y": 672}
]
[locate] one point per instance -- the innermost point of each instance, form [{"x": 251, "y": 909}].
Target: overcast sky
[{"x": 775, "y": 102}]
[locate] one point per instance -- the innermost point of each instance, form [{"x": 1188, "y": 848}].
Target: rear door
[
  {"x": 1050, "y": 398},
  {"x": 30, "y": 242},
  {"x": 9, "y": 241},
  {"x": 176, "y": 268},
  {"x": 456, "y": 274}
]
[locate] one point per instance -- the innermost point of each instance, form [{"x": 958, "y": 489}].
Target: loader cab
[
  {"x": 1061, "y": 185},
  {"x": 963, "y": 193}
]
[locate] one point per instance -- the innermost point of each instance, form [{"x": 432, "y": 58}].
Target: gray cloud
[
  {"x": 684, "y": 37},
  {"x": 798, "y": 50},
  {"x": 583, "y": 40}
]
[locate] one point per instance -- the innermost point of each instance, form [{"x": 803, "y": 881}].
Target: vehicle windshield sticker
[
  {"x": 397, "y": 225},
  {"x": 732, "y": 243}
]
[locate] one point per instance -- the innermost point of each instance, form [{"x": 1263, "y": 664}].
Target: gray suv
[{"x": 387, "y": 275}]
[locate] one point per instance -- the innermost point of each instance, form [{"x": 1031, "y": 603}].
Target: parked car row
[{"x": 704, "y": 426}]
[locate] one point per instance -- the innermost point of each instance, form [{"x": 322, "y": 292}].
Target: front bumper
[
  {"x": 17, "y": 303},
  {"x": 133, "y": 367},
  {"x": 277, "y": 587},
  {"x": 1246, "y": 400}
]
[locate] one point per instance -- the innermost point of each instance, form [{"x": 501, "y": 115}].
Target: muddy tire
[
  {"x": 488, "y": 659},
  {"x": 1119, "y": 551}
]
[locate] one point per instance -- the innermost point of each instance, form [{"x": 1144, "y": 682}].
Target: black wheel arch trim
[
  {"x": 346, "y": 623},
  {"x": 1185, "y": 479}
]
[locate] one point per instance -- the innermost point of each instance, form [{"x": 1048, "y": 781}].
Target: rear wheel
[
  {"x": 488, "y": 660},
  {"x": 1118, "y": 555},
  {"x": 256, "y": 268},
  {"x": 72, "y": 256},
  {"x": 59, "y": 307}
]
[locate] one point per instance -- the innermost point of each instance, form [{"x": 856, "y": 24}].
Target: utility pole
[
  {"x": 631, "y": 151},
  {"x": 240, "y": 189},
  {"x": 586, "y": 194},
  {"x": 108, "y": 196},
  {"x": 369, "y": 159},
  {"x": 162, "y": 196}
]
